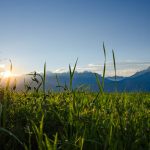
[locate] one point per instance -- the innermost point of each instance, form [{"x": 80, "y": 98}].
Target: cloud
[
  {"x": 125, "y": 68},
  {"x": 60, "y": 70}
]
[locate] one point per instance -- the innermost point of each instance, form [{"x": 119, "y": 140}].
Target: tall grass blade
[
  {"x": 75, "y": 67},
  {"x": 39, "y": 133},
  {"x": 11, "y": 134},
  {"x": 47, "y": 142},
  {"x": 15, "y": 85},
  {"x": 98, "y": 83},
  {"x": 44, "y": 78},
  {"x": 103, "y": 77},
  {"x": 55, "y": 142},
  {"x": 114, "y": 62},
  {"x": 104, "y": 69},
  {"x": 72, "y": 74},
  {"x": 104, "y": 49},
  {"x": 101, "y": 86},
  {"x": 1, "y": 109}
]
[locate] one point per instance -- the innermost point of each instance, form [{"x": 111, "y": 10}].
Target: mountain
[
  {"x": 141, "y": 72},
  {"x": 140, "y": 81},
  {"x": 85, "y": 79},
  {"x": 118, "y": 78}
]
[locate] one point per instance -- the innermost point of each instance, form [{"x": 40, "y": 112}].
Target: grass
[
  {"x": 73, "y": 119},
  {"x": 76, "y": 120}
]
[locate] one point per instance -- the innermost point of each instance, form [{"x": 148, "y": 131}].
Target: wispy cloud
[
  {"x": 60, "y": 70},
  {"x": 126, "y": 68}
]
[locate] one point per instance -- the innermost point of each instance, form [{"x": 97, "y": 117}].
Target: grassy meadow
[{"x": 73, "y": 119}]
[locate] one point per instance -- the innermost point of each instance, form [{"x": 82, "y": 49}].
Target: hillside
[{"x": 140, "y": 81}]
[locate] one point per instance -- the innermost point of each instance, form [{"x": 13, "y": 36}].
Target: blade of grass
[
  {"x": 47, "y": 142},
  {"x": 15, "y": 85},
  {"x": 98, "y": 83},
  {"x": 11, "y": 134},
  {"x": 104, "y": 69},
  {"x": 44, "y": 78},
  {"x": 104, "y": 49},
  {"x": 1, "y": 109},
  {"x": 74, "y": 67},
  {"x": 114, "y": 62},
  {"x": 72, "y": 74},
  {"x": 55, "y": 142},
  {"x": 115, "y": 69},
  {"x": 101, "y": 86}
]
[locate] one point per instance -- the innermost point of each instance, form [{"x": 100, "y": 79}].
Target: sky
[{"x": 60, "y": 31}]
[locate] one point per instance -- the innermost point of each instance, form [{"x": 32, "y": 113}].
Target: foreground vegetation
[{"x": 74, "y": 120}]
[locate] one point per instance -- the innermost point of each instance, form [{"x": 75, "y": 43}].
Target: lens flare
[{"x": 6, "y": 74}]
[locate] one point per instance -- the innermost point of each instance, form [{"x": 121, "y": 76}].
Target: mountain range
[{"x": 140, "y": 81}]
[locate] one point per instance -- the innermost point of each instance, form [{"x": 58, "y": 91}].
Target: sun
[{"x": 6, "y": 74}]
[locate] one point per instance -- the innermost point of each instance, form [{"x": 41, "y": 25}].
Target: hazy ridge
[{"x": 140, "y": 81}]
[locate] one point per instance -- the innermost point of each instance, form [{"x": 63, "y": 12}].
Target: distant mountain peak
[
  {"x": 141, "y": 72},
  {"x": 148, "y": 68}
]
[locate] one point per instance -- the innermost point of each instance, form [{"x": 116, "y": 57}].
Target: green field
[{"x": 74, "y": 120}]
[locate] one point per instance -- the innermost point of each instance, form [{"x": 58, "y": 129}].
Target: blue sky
[{"x": 59, "y": 31}]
